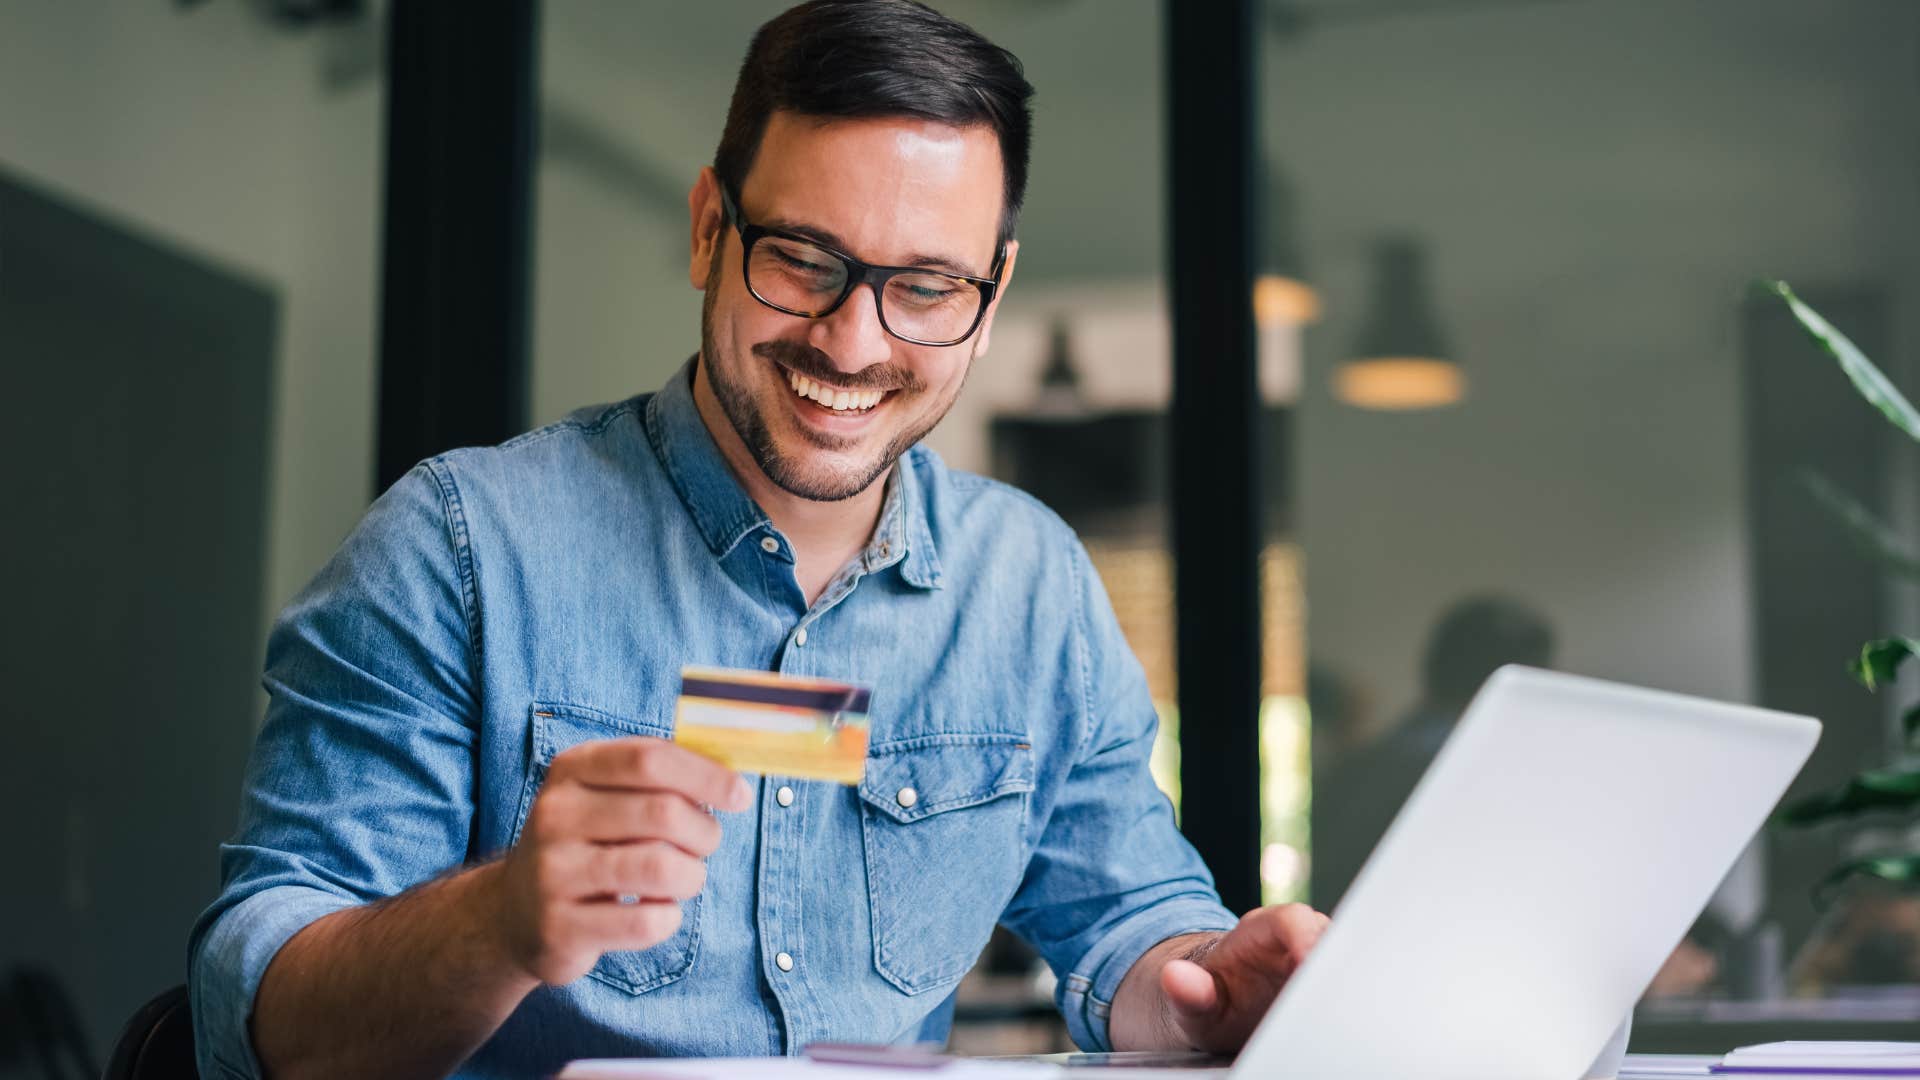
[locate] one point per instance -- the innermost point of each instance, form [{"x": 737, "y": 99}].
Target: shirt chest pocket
[
  {"x": 559, "y": 727},
  {"x": 943, "y": 818}
]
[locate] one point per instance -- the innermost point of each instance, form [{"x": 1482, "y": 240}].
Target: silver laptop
[
  {"x": 1547, "y": 863},
  {"x": 1545, "y": 866}
]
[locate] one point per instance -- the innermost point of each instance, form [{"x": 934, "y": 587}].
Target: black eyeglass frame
[{"x": 858, "y": 274}]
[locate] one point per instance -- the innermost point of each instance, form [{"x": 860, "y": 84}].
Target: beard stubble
[{"x": 786, "y": 468}]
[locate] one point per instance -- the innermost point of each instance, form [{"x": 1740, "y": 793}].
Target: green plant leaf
[
  {"x": 1867, "y": 379},
  {"x": 1899, "y": 869},
  {"x": 1881, "y": 789},
  {"x": 1879, "y": 661},
  {"x": 1910, "y": 723},
  {"x": 1874, "y": 537}
]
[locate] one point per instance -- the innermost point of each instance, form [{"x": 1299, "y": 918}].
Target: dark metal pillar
[
  {"x": 1211, "y": 84},
  {"x": 462, "y": 95}
]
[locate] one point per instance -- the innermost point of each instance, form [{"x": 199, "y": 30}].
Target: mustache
[{"x": 814, "y": 364}]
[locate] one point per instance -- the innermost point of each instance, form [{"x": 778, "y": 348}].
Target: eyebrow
[{"x": 832, "y": 240}]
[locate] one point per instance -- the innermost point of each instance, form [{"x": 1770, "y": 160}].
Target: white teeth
[{"x": 837, "y": 400}]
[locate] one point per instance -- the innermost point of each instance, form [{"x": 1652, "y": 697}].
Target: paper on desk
[
  {"x": 1895, "y": 1058},
  {"x": 1663, "y": 1066},
  {"x": 771, "y": 1068}
]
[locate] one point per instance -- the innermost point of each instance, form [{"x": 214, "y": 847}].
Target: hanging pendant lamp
[{"x": 1401, "y": 361}]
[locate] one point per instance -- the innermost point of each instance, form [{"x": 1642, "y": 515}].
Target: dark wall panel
[{"x": 135, "y": 386}]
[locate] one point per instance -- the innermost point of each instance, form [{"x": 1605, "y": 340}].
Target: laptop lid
[{"x": 1548, "y": 861}]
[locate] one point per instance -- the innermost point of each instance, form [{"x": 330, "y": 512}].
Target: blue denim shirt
[{"x": 499, "y": 605}]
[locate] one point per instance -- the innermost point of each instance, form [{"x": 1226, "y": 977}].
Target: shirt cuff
[
  {"x": 1086, "y": 995},
  {"x": 232, "y": 957}
]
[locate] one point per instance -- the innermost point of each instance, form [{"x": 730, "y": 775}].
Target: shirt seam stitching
[
  {"x": 1083, "y": 653},
  {"x": 565, "y": 427},
  {"x": 459, "y": 540}
]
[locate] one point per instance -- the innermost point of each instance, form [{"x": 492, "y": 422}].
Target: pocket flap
[
  {"x": 559, "y": 727},
  {"x": 907, "y": 781}
]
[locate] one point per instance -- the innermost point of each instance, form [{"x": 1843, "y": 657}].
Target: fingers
[
  {"x": 1189, "y": 988},
  {"x": 615, "y": 818},
  {"x": 1217, "y": 998},
  {"x": 640, "y": 763},
  {"x": 651, "y": 871},
  {"x": 602, "y": 815},
  {"x": 1291, "y": 929},
  {"x": 612, "y": 926},
  {"x": 583, "y": 873}
]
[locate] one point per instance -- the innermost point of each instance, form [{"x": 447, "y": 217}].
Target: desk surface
[{"x": 1051, "y": 1067}]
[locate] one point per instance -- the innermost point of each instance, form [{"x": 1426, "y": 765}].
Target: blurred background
[{"x": 1516, "y": 404}]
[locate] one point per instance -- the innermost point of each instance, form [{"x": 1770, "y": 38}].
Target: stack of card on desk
[
  {"x": 1785, "y": 1061},
  {"x": 767, "y": 723}
]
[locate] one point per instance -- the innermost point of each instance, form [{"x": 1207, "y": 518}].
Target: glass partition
[
  {"x": 189, "y": 255},
  {"x": 1543, "y": 419}
]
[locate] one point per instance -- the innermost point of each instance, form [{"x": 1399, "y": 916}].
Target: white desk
[{"x": 1636, "y": 1067}]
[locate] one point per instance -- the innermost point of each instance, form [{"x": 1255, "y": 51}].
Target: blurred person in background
[{"x": 1359, "y": 798}]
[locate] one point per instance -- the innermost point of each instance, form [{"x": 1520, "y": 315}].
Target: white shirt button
[
  {"x": 784, "y": 796},
  {"x": 783, "y": 961},
  {"x": 906, "y": 797},
  {"x": 769, "y": 545},
  {"x": 800, "y": 636}
]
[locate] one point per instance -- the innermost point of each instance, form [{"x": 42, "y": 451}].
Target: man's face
[{"x": 895, "y": 192}]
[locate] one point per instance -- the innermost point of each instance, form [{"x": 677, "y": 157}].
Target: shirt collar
[
  {"x": 720, "y": 508},
  {"x": 725, "y": 515},
  {"x": 902, "y": 535},
  {"x": 921, "y": 567}
]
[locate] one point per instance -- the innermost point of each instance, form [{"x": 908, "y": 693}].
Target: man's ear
[
  {"x": 707, "y": 219},
  {"x": 985, "y": 332}
]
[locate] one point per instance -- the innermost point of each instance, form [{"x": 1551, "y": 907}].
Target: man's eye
[
  {"x": 795, "y": 262},
  {"x": 923, "y": 292}
]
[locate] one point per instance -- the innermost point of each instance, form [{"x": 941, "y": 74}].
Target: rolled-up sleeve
[
  {"x": 360, "y": 783},
  {"x": 1110, "y": 876}
]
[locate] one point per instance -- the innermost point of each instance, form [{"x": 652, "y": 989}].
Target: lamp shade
[{"x": 1401, "y": 360}]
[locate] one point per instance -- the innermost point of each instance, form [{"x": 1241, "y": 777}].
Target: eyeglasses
[{"x": 790, "y": 273}]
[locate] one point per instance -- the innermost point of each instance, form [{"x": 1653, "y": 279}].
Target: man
[{"x": 467, "y": 841}]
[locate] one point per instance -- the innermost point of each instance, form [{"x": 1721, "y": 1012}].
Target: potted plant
[{"x": 1883, "y": 803}]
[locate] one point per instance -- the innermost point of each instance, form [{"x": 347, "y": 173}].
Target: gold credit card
[{"x": 767, "y": 723}]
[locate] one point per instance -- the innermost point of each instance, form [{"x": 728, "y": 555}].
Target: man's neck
[{"x": 824, "y": 535}]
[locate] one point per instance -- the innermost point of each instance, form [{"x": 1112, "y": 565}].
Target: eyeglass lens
[{"x": 807, "y": 280}]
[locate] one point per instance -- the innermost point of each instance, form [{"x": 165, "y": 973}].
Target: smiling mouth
[{"x": 829, "y": 397}]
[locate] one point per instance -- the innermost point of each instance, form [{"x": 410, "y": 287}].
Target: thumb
[{"x": 1190, "y": 989}]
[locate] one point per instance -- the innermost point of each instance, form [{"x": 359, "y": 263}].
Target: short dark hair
[{"x": 878, "y": 58}]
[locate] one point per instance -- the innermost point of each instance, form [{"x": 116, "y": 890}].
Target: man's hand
[
  {"x": 412, "y": 985},
  {"x": 1209, "y": 991},
  {"x": 614, "y": 842},
  {"x": 1218, "y": 993}
]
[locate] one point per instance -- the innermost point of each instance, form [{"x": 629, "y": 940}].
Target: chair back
[
  {"x": 157, "y": 1043},
  {"x": 40, "y": 1030}
]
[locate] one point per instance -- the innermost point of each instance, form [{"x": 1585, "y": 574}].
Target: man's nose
[{"x": 852, "y": 335}]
